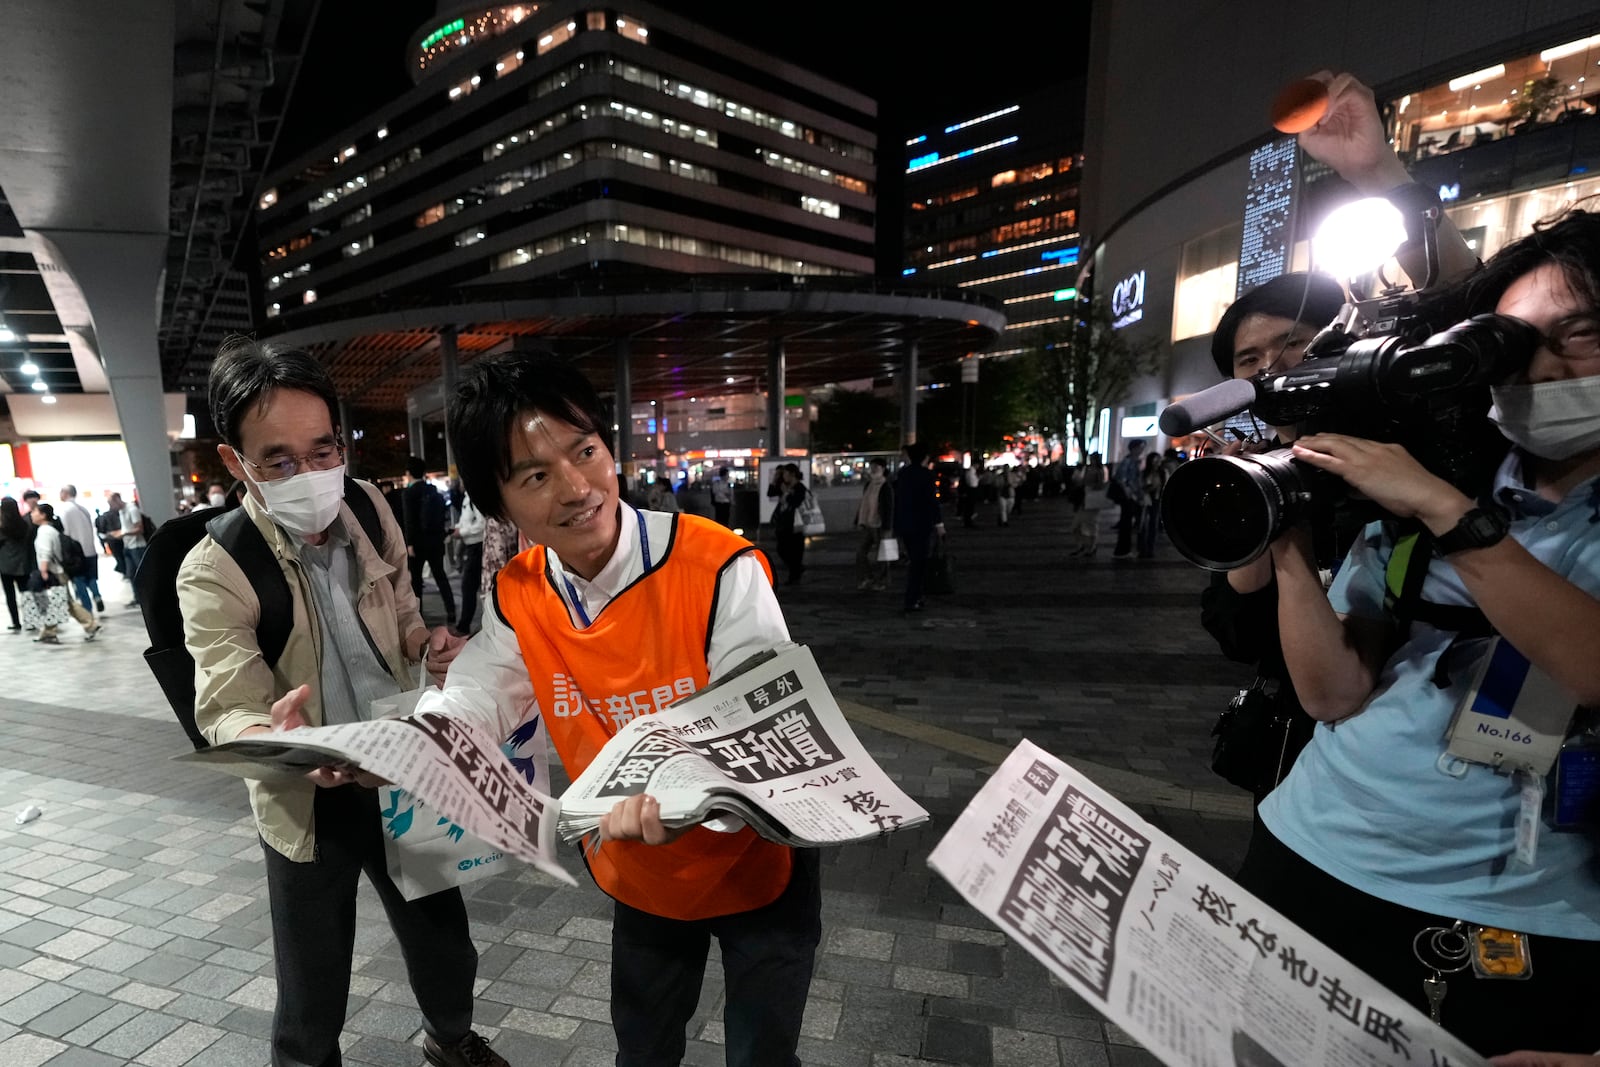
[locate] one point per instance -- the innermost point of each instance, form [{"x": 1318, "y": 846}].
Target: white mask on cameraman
[
  {"x": 216, "y": 500},
  {"x": 306, "y": 504},
  {"x": 1551, "y": 420}
]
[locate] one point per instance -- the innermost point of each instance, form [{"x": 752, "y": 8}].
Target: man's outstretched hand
[{"x": 286, "y": 715}]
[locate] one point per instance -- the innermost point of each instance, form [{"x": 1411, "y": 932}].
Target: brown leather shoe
[{"x": 470, "y": 1051}]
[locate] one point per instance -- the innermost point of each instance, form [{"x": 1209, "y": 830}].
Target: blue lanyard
[{"x": 644, "y": 550}]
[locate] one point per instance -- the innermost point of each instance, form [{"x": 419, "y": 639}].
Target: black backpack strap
[
  {"x": 240, "y": 538},
  {"x": 366, "y": 514}
]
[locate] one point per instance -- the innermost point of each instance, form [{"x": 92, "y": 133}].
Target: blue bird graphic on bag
[
  {"x": 395, "y": 821},
  {"x": 519, "y": 739}
]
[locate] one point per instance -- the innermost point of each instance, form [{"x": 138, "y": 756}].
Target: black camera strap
[{"x": 1402, "y": 599}]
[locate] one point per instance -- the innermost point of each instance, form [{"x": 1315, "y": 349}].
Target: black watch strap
[{"x": 1480, "y": 527}]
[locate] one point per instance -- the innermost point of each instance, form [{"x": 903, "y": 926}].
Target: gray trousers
[{"x": 314, "y": 933}]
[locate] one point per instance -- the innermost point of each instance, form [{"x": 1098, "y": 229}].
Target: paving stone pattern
[{"x": 134, "y": 925}]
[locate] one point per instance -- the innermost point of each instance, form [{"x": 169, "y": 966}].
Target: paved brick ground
[{"x": 133, "y": 915}]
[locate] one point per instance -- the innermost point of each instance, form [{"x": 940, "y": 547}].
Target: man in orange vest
[{"x": 616, "y": 613}]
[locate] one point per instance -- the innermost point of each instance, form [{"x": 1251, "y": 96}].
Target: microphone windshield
[{"x": 1206, "y": 407}]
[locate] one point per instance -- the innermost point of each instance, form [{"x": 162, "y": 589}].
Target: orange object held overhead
[
  {"x": 646, "y": 649},
  {"x": 1299, "y": 106}
]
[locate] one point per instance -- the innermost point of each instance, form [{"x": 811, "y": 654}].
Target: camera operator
[
  {"x": 1380, "y": 842},
  {"x": 1264, "y": 729},
  {"x": 1266, "y": 331}
]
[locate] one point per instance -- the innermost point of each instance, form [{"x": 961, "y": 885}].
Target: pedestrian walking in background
[
  {"x": 967, "y": 494},
  {"x": 106, "y": 523},
  {"x": 917, "y": 519},
  {"x": 501, "y": 543},
  {"x": 1154, "y": 480},
  {"x": 1093, "y": 481},
  {"x": 660, "y": 497},
  {"x": 875, "y": 520},
  {"x": 790, "y": 492},
  {"x": 78, "y": 524},
  {"x": 470, "y": 530},
  {"x": 16, "y": 556},
  {"x": 722, "y": 497},
  {"x": 130, "y": 533},
  {"x": 1129, "y": 495},
  {"x": 1006, "y": 492},
  {"x": 51, "y": 603},
  {"x": 425, "y": 524}
]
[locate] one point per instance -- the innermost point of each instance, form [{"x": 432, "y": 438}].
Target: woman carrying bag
[
  {"x": 51, "y": 603},
  {"x": 875, "y": 520}
]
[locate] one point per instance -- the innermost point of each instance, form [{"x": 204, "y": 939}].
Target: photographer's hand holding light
[{"x": 1350, "y": 138}]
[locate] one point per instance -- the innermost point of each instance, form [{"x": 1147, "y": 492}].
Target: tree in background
[
  {"x": 1001, "y": 403},
  {"x": 856, "y": 420},
  {"x": 1080, "y": 370}
]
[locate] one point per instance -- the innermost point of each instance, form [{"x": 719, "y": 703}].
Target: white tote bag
[
  {"x": 808, "y": 517},
  {"x": 888, "y": 550},
  {"x": 428, "y": 853}
]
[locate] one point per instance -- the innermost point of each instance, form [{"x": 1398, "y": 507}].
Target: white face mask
[
  {"x": 216, "y": 500},
  {"x": 1551, "y": 420},
  {"x": 306, "y": 504}
]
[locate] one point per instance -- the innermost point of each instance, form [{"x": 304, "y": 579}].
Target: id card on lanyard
[
  {"x": 572, "y": 593},
  {"x": 1514, "y": 717}
]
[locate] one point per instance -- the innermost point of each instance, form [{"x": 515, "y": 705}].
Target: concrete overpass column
[
  {"x": 447, "y": 370},
  {"x": 345, "y": 430},
  {"x": 908, "y": 394},
  {"x": 622, "y": 412},
  {"x": 416, "y": 437},
  {"x": 777, "y": 386},
  {"x": 119, "y": 275}
]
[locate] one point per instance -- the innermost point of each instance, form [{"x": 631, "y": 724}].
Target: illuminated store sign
[
  {"x": 1127, "y": 301},
  {"x": 442, "y": 32}
]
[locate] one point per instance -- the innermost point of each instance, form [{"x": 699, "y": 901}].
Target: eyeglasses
[
  {"x": 318, "y": 459},
  {"x": 1576, "y": 337}
]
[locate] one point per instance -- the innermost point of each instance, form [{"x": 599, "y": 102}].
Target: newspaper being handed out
[
  {"x": 1159, "y": 941},
  {"x": 767, "y": 743},
  {"x": 450, "y": 765}
]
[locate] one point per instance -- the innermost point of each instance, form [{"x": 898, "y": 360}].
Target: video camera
[{"x": 1382, "y": 370}]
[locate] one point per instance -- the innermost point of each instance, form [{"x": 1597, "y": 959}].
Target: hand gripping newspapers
[
  {"x": 767, "y": 744},
  {"x": 1160, "y": 942}
]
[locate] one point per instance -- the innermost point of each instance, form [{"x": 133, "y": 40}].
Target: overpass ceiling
[
  {"x": 155, "y": 117},
  {"x": 680, "y": 344}
]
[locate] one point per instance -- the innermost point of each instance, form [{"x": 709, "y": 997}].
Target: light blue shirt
[{"x": 1375, "y": 802}]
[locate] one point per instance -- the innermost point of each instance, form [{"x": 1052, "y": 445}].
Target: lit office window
[
  {"x": 633, "y": 29},
  {"x": 1206, "y": 282}
]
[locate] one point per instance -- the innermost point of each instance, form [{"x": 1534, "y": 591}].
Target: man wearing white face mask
[
  {"x": 1395, "y": 839},
  {"x": 357, "y": 636}
]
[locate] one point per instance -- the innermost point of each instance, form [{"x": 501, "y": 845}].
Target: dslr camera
[{"x": 1382, "y": 370}]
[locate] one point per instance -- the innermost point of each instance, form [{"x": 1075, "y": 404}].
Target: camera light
[{"x": 1359, "y": 237}]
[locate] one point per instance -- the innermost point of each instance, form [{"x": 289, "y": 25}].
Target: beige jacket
[{"x": 234, "y": 688}]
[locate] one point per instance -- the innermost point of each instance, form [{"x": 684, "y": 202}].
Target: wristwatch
[{"x": 1480, "y": 527}]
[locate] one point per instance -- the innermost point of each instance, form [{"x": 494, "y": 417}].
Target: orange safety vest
[{"x": 645, "y": 650}]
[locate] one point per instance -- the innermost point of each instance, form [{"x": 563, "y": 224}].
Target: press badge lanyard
[{"x": 572, "y": 593}]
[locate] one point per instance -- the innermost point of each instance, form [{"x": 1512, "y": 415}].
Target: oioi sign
[{"x": 1127, "y": 301}]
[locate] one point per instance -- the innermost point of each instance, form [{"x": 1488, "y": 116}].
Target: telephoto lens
[{"x": 1221, "y": 512}]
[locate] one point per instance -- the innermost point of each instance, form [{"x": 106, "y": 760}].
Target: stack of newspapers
[{"x": 767, "y": 745}]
